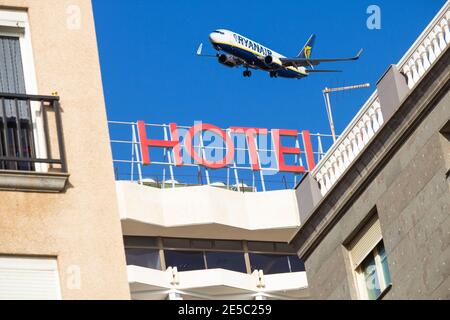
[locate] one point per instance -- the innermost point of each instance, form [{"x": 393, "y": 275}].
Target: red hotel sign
[{"x": 227, "y": 160}]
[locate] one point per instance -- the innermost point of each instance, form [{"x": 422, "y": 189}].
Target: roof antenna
[{"x": 326, "y": 95}]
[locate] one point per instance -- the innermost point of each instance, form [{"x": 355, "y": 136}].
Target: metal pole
[
  {"x": 136, "y": 151},
  {"x": 236, "y": 174},
  {"x": 261, "y": 173},
  {"x": 319, "y": 148},
  {"x": 168, "y": 155},
  {"x": 326, "y": 95},
  {"x": 330, "y": 115},
  {"x": 59, "y": 130},
  {"x": 132, "y": 154},
  {"x": 203, "y": 151}
]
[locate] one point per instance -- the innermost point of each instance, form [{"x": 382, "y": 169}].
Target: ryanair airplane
[{"x": 235, "y": 50}]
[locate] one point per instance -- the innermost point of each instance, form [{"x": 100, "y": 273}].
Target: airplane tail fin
[{"x": 306, "y": 52}]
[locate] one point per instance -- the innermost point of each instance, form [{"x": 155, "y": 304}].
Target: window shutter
[
  {"x": 23, "y": 278},
  {"x": 365, "y": 241},
  {"x": 12, "y": 79}
]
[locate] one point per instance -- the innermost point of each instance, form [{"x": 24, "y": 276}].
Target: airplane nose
[{"x": 213, "y": 37}]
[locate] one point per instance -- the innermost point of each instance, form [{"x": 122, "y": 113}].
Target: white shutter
[
  {"x": 365, "y": 242},
  {"x": 29, "y": 278}
]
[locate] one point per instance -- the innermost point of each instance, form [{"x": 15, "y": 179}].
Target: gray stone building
[{"x": 376, "y": 211}]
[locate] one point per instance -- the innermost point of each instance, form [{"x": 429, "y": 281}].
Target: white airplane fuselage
[{"x": 240, "y": 50}]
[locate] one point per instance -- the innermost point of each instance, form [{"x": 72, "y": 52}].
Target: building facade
[
  {"x": 60, "y": 233},
  {"x": 370, "y": 221},
  {"x": 377, "y": 209},
  {"x": 205, "y": 242},
  {"x": 68, "y": 229}
]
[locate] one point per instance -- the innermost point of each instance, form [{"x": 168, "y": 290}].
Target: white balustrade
[
  {"x": 444, "y": 24},
  {"x": 428, "y": 48},
  {"x": 361, "y": 130},
  {"x": 363, "y": 127},
  {"x": 348, "y": 151}
]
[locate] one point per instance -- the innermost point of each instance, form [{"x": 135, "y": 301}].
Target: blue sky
[{"x": 150, "y": 70}]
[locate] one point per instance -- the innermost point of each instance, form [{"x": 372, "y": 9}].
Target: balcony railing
[
  {"x": 358, "y": 134},
  {"x": 428, "y": 47},
  {"x": 27, "y": 137}
]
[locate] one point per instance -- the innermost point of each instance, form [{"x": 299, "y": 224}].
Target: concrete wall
[
  {"x": 80, "y": 226},
  {"x": 411, "y": 193},
  {"x": 149, "y": 284},
  {"x": 207, "y": 212}
]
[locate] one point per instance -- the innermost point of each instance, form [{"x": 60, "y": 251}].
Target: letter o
[{"x": 199, "y": 159}]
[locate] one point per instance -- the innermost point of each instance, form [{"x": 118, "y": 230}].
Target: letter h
[{"x": 147, "y": 143}]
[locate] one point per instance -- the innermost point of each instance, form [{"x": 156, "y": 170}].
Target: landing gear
[
  {"x": 247, "y": 73},
  {"x": 273, "y": 74}
]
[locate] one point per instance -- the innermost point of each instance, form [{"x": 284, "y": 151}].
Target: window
[
  {"x": 234, "y": 261},
  {"x": 273, "y": 264},
  {"x": 142, "y": 257},
  {"x": 176, "y": 243},
  {"x": 134, "y": 241},
  {"x": 29, "y": 278},
  {"x": 255, "y": 246},
  {"x": 22, "y": 127},
  {"x": 200, "y": 260},
  {"x": 373, "y": 274},
  {"x": 228, "y": 245},
  {"x": 16, "y": 137},
  {"x": 369, "y": 261},
  {"x": 295, "y": 264},
  {"x": 269, "y": 264},
  {"x": 185, "y": 260},
  {"x": 200, "y": 254}
]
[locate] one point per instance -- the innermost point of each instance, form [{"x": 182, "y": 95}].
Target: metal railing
[
  {"x": 361, "y": 130},
  {"x": 239, "y": 176},
  {"x": 25, "y": 133}
]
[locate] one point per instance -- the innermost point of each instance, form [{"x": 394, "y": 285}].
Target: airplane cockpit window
[{"x": 217, "y": 31}]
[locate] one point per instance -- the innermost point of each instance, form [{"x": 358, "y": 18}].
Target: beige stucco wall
[{"x": 80, "y": 226}]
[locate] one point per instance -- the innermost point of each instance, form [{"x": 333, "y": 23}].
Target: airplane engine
[
  {"x": 228, "y": 61},
  {"x": 271, "y": 60}
]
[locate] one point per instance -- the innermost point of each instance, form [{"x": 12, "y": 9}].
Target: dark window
[
  {"x": 228, "y": 245},
  {"x": 296, "y": 264},
  {"x": 15, "y": 116},
  {"x": 260, "y": 246},
  {"x": 284, "y": 248},
  {"x": 185, "y": 260},
  {"x": 133, "y": 241},
  {"x": 174, "y": 243},
  {"x": 384, "y": 263},
  {"x": 201, "y": 244},
  {"x": 269, "y": 263},
  {"x": 371, "y": 277},
  {"x": 147, "y": 258},
  {"x": 234, "y": 261},
  {"x": 374, "y": 273}
]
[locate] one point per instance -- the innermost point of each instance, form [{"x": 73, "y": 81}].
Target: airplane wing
[
  {"x": 200, "y": 52},
  {"x": 322, "y": 71},
  {"x": 302, "y": 62}
]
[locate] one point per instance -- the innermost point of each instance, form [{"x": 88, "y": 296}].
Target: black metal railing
[{"x": 17, "y": 132}]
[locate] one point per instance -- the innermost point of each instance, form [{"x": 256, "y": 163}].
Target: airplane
[{"x": 235, "y": 50}]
